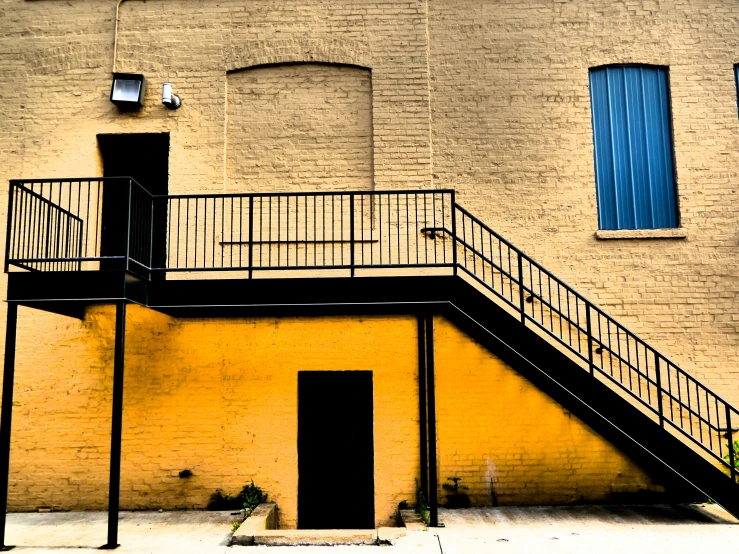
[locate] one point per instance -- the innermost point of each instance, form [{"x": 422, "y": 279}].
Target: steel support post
[
  {"x": 6, "y": 416},
  {"x": 117, "y": 427},
  {"x": 422, "y": 407},
  {"x": 431, "y": 403}
]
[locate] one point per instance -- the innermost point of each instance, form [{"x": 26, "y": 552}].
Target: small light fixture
[
  {"x": 128, "y": 90},
  {"x": 172, "y": 101}
]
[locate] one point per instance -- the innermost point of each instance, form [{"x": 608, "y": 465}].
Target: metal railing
[
  {"x": 604, "y": 346},
  {"x": 113, "y": 223},
  {"x": 59, "y": 225},
  {"x": 325, "y": 231}
]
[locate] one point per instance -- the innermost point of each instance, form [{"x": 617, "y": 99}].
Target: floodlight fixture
[{"x": 128, "y": 90}]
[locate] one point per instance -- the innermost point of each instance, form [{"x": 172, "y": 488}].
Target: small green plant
[
  {"x": 422, "y": 507},
  {"x": 251, "y": 497},
  {"x": 248, "y": 499},
  {"x": 234, "y": 526},
  {"x": 456, "y": 498},
  {"x": 736, "y": 453}
]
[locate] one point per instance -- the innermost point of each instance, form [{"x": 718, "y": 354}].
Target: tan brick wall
[
  {"x": 299, "y": 127},
  {"x": 512, "y": 133},
  {"x": 510, "y": 119},
  {"x": 501, "y": 87}
]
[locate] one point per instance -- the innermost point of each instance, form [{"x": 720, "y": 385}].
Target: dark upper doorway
[
  {"x": 145, "y": 157},
  {"x": 335, "y": 450}
]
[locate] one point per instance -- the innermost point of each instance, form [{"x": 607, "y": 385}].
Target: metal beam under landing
[{"x": 70, "y": 293}]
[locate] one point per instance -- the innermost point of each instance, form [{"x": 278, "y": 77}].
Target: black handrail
[
  {"x": 609, "y": 349},
  {"x": 60, "y": 225}
]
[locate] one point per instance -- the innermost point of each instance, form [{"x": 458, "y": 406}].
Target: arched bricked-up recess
[
  {"x": 293, "y": 50},
  {"x": 299, "y": 126}
]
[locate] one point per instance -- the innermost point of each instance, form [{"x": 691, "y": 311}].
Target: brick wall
[
  {"x": 509, "y": 442},
  {"x": 216, "y": 397},
  {"x": 219, "y": 397},
  {"x": 490, "y": 98},
  {"x": 299, "y": 127},
  {"x": 512, "y": 133},
  {"x": 510, "y": 120}
]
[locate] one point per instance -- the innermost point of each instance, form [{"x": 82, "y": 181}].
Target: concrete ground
[{"x": 550, "y": 529}]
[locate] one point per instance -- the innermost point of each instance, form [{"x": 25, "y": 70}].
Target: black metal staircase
[{"x": 451, "y": 263}]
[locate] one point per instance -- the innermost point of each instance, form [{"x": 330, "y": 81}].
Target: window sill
[{"x": 642, "y": 234}]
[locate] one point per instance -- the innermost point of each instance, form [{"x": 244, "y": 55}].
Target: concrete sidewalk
[{"x": 534, "y": 529}]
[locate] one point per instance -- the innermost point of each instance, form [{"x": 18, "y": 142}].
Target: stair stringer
[{"x": 685, "y": 473}]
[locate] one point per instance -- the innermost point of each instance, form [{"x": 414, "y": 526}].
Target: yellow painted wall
[
  {"x": 219, "y": 397},
  {"x": 504, "y": 437},
  {"x": 216, "y": 397}
]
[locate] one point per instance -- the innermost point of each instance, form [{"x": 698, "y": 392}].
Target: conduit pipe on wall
[{"x": 115, "y": 32}]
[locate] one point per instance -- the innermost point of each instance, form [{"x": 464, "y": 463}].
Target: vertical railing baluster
[
  {"x": 454, "y": 233},
  {"x": 11, "y": 217},
  {"x": 520, "y": 288},
  {"x": 47, "y": 233},
  {"x": 151, "y": 229},
  {"x": 351, "y": 233},
  {"x": 659, "y": 390},
  {"x": 590, "y": 338},
  {"x": 730, "y": 436},
  {"x": 196, "y": 224},
  {"x": 128, "y": 224},
  {"x": 708, "y": 417},
  {"x": 397, "y": 219},
  {"x": 251, "y": 236}
]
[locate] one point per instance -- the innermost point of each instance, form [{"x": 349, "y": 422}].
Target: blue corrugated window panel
[
  {"x": 633, "y": 148},
  {"x": 604, "y": 168}
]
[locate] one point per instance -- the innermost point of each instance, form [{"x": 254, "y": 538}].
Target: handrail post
[
  {"x": 48, "y": 231},
  {"x": 520, "y": 287},
  {"x": 590, "y": 338},
  {"x": 454, "y": 231},
  {"x": 730, "y": 435},
  {"x": 11, "y": 216},
  {"x": 659, "y": 389},
  {"x": 79, "y": 246},
  {"x": 251, "y": 236},
  {"x": 151, "y": 234},
  {"x": 351, "y": 232},
  {"x": 128, "y": 224}
]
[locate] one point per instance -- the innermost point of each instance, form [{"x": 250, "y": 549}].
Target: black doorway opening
[
  {"x": 145, "y": 158},
  {"x": 335, "y": 450}
]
